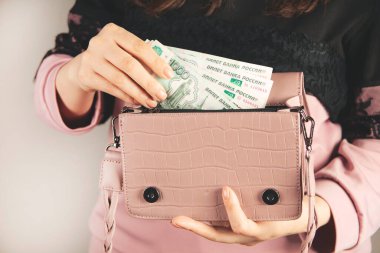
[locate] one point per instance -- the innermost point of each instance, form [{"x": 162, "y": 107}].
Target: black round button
[
  {"x": 271, "y": 196},
  {"x": 151, "y": 194}
]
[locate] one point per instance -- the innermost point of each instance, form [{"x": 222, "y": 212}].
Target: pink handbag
[{"x": 169, "y": 163}]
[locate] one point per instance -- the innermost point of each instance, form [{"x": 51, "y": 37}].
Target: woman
[{"x": 335, "y": 43}]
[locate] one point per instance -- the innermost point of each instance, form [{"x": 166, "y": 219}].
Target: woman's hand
[
  {"x": 244, "y": 231},
  {"x": 116, "y": 62}
]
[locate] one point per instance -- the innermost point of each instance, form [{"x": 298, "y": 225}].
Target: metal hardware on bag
[
  {"x": 116, "y": 138},
  {"x": 308, "y": 139}
]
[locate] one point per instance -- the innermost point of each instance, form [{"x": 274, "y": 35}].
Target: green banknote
[
  {"x": 188, "y": 89},
  {"x": 243, "y": 94},
  {"x": 252, "y": 92},
  {"x": 245, "y": 89}
]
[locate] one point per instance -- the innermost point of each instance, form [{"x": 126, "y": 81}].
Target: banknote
[
  {"x": 252, "y": 92},
  {"x": 233, "y": 68},
  {"x": 243, "y": 94},
  {"x": 188, "y": 89}
]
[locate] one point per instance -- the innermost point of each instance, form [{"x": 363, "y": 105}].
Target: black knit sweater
[{"x": 337, "y": 46}]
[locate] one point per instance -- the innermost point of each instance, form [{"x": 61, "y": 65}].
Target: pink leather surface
[
  {"x": 111, "y": 171},
  {"x": 190, "y": 156},
  {"x": 285, "y": 86}
]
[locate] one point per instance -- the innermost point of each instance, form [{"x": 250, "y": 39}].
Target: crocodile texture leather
[{"x": 188, "y": 157}]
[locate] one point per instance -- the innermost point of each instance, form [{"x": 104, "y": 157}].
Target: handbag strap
[
  {"x": 312, "y": 223},
  {"x": 111, "y": 184},
  {"x": 111, "y": 199},
  {"x": 312, "y": 216}
]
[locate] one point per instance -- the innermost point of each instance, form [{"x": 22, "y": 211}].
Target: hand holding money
[
  {"x": 116, "y": 62},
  {"x": 119, "y": 63},
  {"x": 208, "y": 82}
]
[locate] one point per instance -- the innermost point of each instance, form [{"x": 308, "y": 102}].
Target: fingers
[
  {"x": 104, "y": 85},
  {"x": 124, "y": 83},
  {"x": 141, "y": 50},
  {"x": 240, "y": 224},
  {"x": 242, "y": 227},
  {"x": 243, "y": 230},
  {"x": 217, "y": 234},
  {"x": 128, "y": 63},
  {"x": 136, "y": 71}
]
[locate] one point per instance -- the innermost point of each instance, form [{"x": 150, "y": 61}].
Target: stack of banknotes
[{"x": 208, "y": 82}]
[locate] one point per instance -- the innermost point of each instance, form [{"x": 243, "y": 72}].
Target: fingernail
[
  {"x": 151, "y": 103},
  {"x": 225, "y": 193},
  {"x": 162, "y": 95},
  {"x": 169, "y": 73}
]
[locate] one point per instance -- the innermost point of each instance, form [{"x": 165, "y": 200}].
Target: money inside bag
[{"x": 208, "y": 82}]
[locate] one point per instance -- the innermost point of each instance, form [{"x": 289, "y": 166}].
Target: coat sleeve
[
  {"x": 46, "y": 100},
  {"x": 85, "y": 19},
  {"x": 350, "y": 181}
]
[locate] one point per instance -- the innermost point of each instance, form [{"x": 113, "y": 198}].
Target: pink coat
[{"x": 347, "y": 177}]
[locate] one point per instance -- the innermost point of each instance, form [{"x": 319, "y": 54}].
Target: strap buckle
[
  {"x": 116, "y": 138},
  {"x": 308, "y": 137}
]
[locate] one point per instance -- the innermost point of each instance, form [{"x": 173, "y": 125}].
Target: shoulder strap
[
  {"x": 307, "y": 239},
  {"x": 111, "y": 184},
  {"x": 285, "y": 86}
]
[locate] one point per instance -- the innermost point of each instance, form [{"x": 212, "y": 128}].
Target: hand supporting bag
[{"x": 169, "y": 163}]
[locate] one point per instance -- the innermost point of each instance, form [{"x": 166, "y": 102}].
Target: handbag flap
[{"x": 180, "y": 161}]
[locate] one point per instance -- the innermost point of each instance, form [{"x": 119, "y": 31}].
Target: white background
[{"x": 48, "y": 180}]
